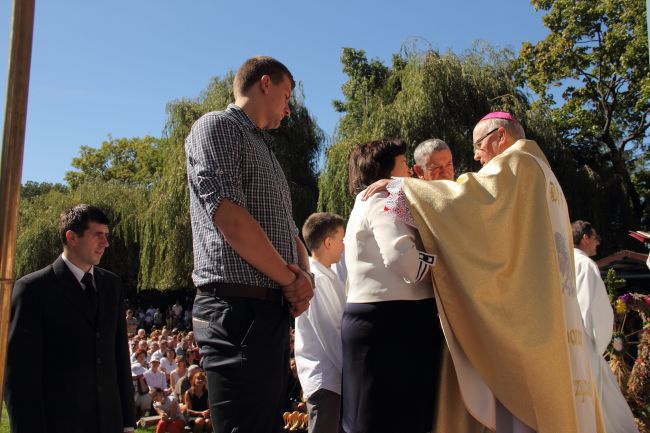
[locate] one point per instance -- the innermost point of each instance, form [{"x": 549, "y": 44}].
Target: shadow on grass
[{"x": 4, "y": 424}]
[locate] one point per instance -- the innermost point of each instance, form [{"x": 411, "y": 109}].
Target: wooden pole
[{"x": 11, "y": 162}]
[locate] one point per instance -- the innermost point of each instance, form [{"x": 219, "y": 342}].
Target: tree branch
[{"x": 644, "y": 124}]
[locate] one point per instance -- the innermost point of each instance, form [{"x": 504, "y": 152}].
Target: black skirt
[{"x": 391, "y": 365}]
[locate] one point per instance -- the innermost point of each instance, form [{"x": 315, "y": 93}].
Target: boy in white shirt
[{"x": 318, "y": 330}]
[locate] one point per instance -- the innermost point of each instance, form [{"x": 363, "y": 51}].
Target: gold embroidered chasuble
[{"x": 506, "y": 291}]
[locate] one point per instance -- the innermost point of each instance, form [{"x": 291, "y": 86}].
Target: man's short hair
[
  {"x": 513, "y": 127},
  {"x": 78, "y": 218},
  {"x": 426, "y": 148},
  {"x": 372, "y": 161},
  {"x": 319, "y": 226},
  {"x": 581, "y": 228},
  {"x": 254, "y": 68}
]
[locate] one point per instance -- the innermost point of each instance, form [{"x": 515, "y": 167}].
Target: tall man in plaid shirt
[{"x": 250, "y": 267}]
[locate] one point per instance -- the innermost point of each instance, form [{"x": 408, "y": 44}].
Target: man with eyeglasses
[
  {"x": 598, "y": 319},
  {"x": 505, "y": 291},
  {"x": 493, "y": 135}
]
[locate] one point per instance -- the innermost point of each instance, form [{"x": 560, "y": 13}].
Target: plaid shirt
[{"x": 229, "y": 157}]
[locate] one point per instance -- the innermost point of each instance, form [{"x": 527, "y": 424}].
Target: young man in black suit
[{"x": 86, "y": 388}]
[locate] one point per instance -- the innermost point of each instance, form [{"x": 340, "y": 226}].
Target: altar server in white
[{"x": 598, "y": 318}]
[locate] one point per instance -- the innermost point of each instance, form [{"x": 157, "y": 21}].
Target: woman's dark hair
[{"x": 372, "y": 161}]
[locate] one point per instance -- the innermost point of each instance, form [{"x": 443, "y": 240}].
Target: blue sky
[{"x": 102, "y": 68}]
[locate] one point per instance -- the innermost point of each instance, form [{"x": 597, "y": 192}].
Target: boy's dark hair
[
  {"x": 77, "y": 219},
  {"x": 581, "y": 228},
  {"x": 254, "y": 68},
  {"x": 372, "y": 161},
  {"x": 319, "y": 226}
]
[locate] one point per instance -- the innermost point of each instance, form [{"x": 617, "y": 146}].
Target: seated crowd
[
  {"x": 168, "y": 380},
  {"x": 176, "y": 316}
]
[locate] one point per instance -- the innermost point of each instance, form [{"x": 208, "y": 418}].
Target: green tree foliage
[
  {"x": 424, "y": 94},
  {"x": 596, "y": 56},
  {"x": 298, "y": 143},
  {"x": 32, "y": 189},
  {"x": 130, "y": 160}
]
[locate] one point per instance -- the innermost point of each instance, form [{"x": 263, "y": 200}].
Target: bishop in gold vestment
[{"x": 506, "y": 291}]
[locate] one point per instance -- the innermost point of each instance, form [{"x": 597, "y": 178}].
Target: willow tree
[
  {"x": 593, "y": 69},
  {"x": 165, "y": 236},
  {"x": 422, "y": 95},
  {"x": 38, "y": 242}
]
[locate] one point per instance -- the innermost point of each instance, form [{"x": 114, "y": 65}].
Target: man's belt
[{"x": 234, "y": 290}]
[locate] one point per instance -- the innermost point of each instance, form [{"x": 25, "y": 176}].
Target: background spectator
[
  {"x": 154, "y": 377},
  {"x": 168, "y": 362},
  {"x": 196, "y": 404},
  {"x": 141, "y": 396},
  {"x": 171, "y": 418}
]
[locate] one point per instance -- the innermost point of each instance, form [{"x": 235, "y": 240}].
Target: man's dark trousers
[{"x": 245, "y": 347}]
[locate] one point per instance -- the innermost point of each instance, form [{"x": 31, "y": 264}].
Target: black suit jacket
[{"x": 68, "y": 370}]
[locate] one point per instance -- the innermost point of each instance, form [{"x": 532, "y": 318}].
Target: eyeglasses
[{"x": 478, "y": 142}]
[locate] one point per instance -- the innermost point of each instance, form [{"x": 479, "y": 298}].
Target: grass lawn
[{"x": 4, "y": 424}]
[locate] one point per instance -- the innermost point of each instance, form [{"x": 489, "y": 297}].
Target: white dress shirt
[
  {"x": 318, "y": 334},
  {"x": 382, "y": 256},
  {"x": 77, "y": 272}
]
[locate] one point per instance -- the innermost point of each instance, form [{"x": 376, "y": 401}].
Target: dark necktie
[{"x": 91, "y": 292}]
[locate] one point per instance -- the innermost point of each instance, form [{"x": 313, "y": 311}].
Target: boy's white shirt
[{"x": 318, "y": 347}]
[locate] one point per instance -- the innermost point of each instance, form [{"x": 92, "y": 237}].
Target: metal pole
[{"x": 11, "y": 162}]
